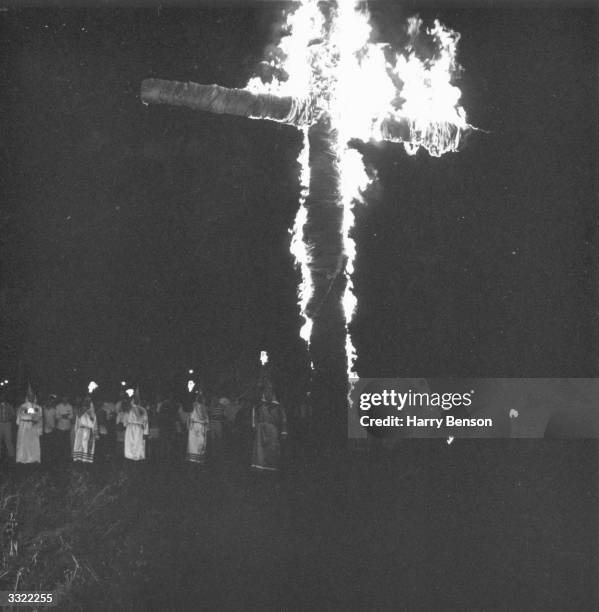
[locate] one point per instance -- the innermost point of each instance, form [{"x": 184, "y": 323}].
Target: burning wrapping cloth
[{"x": 222, "y": 100}]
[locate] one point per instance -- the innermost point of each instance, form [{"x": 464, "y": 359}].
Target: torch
[{"x": 191, "y": 384}]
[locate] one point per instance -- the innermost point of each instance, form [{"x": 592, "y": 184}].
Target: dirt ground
[{"x": 479, "y": 525}]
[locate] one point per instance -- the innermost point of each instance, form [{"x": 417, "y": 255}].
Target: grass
[{"x": 479, "y": 525}]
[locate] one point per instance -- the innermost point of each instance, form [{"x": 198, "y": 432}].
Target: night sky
[{"x": 140, "y": 241}]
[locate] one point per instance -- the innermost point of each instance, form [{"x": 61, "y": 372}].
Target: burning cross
[{"x": 329, "y": 81}]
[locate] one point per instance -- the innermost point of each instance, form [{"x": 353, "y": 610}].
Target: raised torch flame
[
  {"x": 92, "y": 387},
  {"x": 263, "y": 357}
]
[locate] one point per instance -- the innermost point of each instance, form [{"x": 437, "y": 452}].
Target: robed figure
[
  {"x": 86, "y": 433},
  {"x": 197, "y": 432},
  {"x": 30, "y": 423},
  {"x": 137, "y": 428},
  {"x": 269, "y": 422}
]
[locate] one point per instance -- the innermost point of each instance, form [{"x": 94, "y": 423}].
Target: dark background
[{"x": 140, "y": 241}]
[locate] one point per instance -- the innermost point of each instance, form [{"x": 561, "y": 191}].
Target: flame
[
  {"x": 430, "y": 101},
  {"x": 263, "y": 357},
  {"x": 92, "y": 387},
  {"x": 353, "y": 180},
  {"x": 298, "y": 245},
  {"x": 190, "y": 385},
  {"x": 130, "y": 392},
  {"x": 291, "y": 64},
  {"x": 330, "y": 61}
]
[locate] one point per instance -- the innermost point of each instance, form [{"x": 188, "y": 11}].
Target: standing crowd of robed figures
[{"x": 81, "y": 432}]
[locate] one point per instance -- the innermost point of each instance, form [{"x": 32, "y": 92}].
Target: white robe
[
  {"x": 86, "y": 430},
  {"x": 197, "y": 426},
  {"x": 30, "y": 429},
  {"x": 136, "y": 426}
]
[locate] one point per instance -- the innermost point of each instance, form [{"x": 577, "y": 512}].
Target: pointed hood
[{"x": 30, "y": 395}]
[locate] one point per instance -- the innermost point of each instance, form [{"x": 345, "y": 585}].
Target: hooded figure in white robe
[
  {"x": 136, "y": 426},
  {"x": 30, "y": 423},
  {"x": 197, "y": 436},
  {"x": 86, "y": 433}
]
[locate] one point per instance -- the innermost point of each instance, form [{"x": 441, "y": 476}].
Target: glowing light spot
[{"x": 92, "y": 387}]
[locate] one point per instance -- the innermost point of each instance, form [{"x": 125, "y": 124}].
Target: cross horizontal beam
[
  {"x": 241, "y": 102},
  {"x": 223, "y": 100}
]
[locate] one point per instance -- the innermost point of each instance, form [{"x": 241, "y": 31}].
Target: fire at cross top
[{"x": 327, "y": 78}]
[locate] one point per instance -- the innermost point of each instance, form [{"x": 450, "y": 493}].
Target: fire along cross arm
[
  {"x": 299, "y": 112},
  {"x": 223, "y": 100}
]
